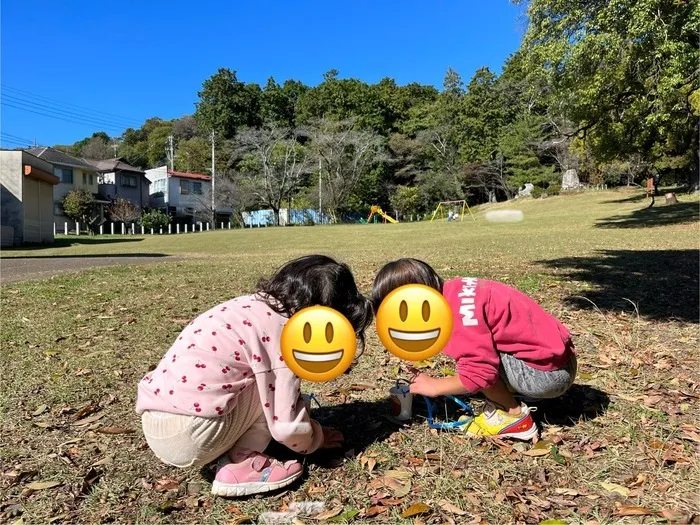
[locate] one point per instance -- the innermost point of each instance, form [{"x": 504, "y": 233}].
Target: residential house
[
  {"x": 73, "y": 173},
  {"x": 26, "y": 198},
  {"x": 117, "y": 179},
  {"x": 185, "y": 196}
]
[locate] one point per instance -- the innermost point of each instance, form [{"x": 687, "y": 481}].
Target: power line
[
  {"x": 29, "y": 95},
  {"x": 74, "y": 121},
  {"x": 62, "y": 112},
  {"x": 15, "y": 137}
]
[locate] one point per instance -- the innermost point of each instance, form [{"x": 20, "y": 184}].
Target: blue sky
[{"x": 133, "y": 60}]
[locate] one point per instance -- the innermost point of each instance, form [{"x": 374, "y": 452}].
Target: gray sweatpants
[{"x": 537, "y": 384}]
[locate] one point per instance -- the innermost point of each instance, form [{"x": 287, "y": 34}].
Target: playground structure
[
  {"x": 377, "y": 210},
  {"x": 445, "y": 204}
]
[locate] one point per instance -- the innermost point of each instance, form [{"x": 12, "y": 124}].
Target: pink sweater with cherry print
[{"x": 233, "y": 346}]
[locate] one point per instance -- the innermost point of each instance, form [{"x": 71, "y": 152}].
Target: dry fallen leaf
[
  {"x": 374, "y": 511},
  {"x": 415, "y": 510},
  {"x": 40, "y": 410},
  {"x": 166, "y": 484},
  {"x": 536, "y": 452},
  {"x": 328, "y": 514},
  {"x": 614, "y": 487},
  {"x": 42, "y": 485},
  {"x": 449, "y": 507},
  {"x": 566, "y": 492},
  {"x": 623, "y": 510}
]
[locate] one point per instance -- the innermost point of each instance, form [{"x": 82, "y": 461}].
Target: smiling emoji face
[
  {"x": 318, "y": 343},
  {"x": 414, "y": 322}
]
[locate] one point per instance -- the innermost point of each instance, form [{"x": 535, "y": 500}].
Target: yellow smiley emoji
[
  {"x": 414, "y": 322},
  {"x": 318, "y": 343}
]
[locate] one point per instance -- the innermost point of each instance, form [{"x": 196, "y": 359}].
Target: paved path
[{"x": 15, "y": 269}]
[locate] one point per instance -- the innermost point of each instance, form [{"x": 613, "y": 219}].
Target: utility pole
[
  {"x": 213, "y": 180},
  {"x": 319, "y": 190},
  {"x": 171, "y": 153}
]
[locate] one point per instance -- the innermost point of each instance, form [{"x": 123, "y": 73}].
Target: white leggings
[{"x": 192, "y": 441}]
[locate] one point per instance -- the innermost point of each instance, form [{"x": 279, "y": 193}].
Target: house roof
[
  {"x": 117, "y": 164},
  {"x": 55, "y": 156},
  {"x": 185, "y": 175}
]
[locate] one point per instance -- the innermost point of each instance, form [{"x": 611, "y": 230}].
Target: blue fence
[{"x": 260, "y": 218}]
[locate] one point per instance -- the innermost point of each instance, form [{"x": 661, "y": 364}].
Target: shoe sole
[
  {"x": 524, "y": 436},
  {"x": 234, "y": 490}
]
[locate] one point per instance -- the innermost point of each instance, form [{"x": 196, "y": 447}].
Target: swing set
[{"x": 442, "y": 205}]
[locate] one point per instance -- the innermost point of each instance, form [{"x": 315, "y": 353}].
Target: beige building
[
  {"x": 26, "y": 198},
  {"x": 73, "y": 173}
]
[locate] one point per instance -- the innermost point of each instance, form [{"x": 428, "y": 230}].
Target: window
[
  {"x": 66, "y": 175},
  {"x": 84, "y": 179},
  {"x": 57, "y": 208},
  {"x": 129, "y": 181},
  {"x": 91, "y": 179},
  {"x": 184, "y": 187},
  {"x": 197, "y": 188},
  {"x": 159, "y": 186}
]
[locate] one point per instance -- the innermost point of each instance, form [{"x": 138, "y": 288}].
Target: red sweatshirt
[{"x": 491, "y": 317}]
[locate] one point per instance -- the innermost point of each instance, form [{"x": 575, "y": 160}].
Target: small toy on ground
[
  {"x": 463, "y": 422},
  {"x": 401, "y": 401}
]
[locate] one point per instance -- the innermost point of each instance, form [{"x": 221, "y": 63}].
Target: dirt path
[{"x": 18, "y": 269}]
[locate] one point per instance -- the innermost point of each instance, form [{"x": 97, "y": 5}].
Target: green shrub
[
  {"x": 154, "y": 219},
  {"x": 78, "y": 205},
  {"x": 537, "y": 192},
  {"x": 554, "y": 189}
]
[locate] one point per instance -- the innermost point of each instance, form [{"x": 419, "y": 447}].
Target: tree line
[{"x": 609, "y": 89}]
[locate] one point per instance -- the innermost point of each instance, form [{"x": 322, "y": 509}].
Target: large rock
[
  {"x": 526, "y": 191},
  {"x": 570, "y": 180}
]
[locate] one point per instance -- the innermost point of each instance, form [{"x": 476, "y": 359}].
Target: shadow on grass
[
  {"x": 361, "y": 422},
  {"x": 64, "y": 242},
  {"x": 662, "y": 283},
  {"x": 580, "y": 403},
  {"x": 659, "y": 215}
]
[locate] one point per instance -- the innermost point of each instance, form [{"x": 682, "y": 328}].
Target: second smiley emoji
[{"x": 414, "y": 322}]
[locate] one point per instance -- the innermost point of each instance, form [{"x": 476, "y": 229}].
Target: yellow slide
[{"x": 379, "y": 211}]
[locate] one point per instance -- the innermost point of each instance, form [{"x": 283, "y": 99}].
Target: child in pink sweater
[
  {"x": 502, "y": 341},
  {"x": 223, "y": 387}
]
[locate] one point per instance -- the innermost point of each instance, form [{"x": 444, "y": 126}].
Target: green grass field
[{"x": 621, "y": 447}]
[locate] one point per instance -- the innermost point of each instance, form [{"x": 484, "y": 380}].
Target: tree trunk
[{"x": 276, "y": 211}]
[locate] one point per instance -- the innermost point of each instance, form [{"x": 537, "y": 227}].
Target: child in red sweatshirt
[{"x": 502, "y": 341}]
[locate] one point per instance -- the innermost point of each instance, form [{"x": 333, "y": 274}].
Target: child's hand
[
  {"x": 332, "y": 438},
  {"x": 424, "y": 384}
]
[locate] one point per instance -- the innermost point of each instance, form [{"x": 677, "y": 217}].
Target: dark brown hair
[
  {"x": 401, "y": 272},
  {"x": 317, "y": 280}
]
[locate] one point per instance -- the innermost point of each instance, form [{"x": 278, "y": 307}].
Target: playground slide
[{"x": 390, "y": 219}]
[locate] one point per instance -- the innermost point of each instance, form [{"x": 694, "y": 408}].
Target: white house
[{"x": 183, "y": 195}]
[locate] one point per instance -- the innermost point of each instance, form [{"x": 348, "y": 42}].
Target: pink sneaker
[{"x": 247, "y": 472}]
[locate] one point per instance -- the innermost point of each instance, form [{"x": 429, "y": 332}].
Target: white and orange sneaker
[{"x": 496, "y": 422}]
